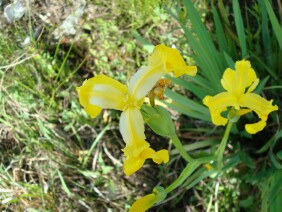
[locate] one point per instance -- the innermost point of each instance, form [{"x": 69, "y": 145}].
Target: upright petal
[
  {"x": 245, "y": 76},
  {"x": 101, "y": 92},
  {"x": 172, "y": 60},
  {"x": 144, "y": 80},
  {"x": 227, "y": 80}
]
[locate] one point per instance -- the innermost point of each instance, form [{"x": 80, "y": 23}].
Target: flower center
[{"x": 130, "y": 102}]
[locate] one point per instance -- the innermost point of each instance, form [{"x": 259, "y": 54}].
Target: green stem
[
  {"x": 178, "y": 145},
  {"x": 189, "y": 169},
  {"x": 222, "y": 145}
]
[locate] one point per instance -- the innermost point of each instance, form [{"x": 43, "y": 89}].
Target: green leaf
[
  {"x": 199, "y": 91},
  {"x": 275, "y": 24},
  {"x": 148, "y": 46},
  {"x": 187, "y": 106},
  {"x": 261, "y": 85},
  {"x": 265, "y": 33},
  {"x": 206, "y": 54},
  {"x": 279, "y": 154},
  {"x": 275, "y": 197},
  {"x": 219, "y": 31},
  {"x": 240, "y": 28},
  {"x": 159, "y": 120}
]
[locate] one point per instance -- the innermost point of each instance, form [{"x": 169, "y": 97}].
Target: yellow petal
[
  {"x": 256, "y": 127},
  {"x": 245, "y": 76},
  {"x": 259, "y": 105},
  {"x": 237, "y": 81},
  {"x": 132, "y": 164},
  {"x": 158, "y": 157},
  {"x": 172, "y": 60},
  {"x": 219, "y": 103},
  {"x": 242, "y": 112},
  {"x": 144, "y": 203},
  {"x": 221, "y": 100},
  {"x": 217, "y": 118},
  {"x": 227, "y": 80},
  {"x": 136, "y": 156},
  {"x": 101, "y": 92},
  {"x": 131, "y": 126},
  {"x": 144, "y": 80},
  {"x": 92, "y": 110}
]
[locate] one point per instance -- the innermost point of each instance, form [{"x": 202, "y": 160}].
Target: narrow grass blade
[
  {"x": 97, "y": 139},
  {"x": 65, "y": 187}
]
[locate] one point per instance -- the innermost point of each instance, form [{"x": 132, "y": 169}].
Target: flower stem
[
  {"x": 188, "y": 170},
  {"x": 178, "y": 145},
  {"x": 222, "y": 145}
]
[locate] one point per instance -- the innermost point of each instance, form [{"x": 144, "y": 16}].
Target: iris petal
[
  {"x": 217, "y": 118},
  {"x": 101, "y": 92},
  {"x": 256, "y": 127},
  {"x": 136, "y": 156},
  {"x": 132, "y": 164},
  {"x": 228, "y": 79},
  {"x": 144, "y": 80},
  {"x": 131, "y": 126},
  {"x": 259, "y": 105},
  {"x": 245, "y": 76},
  {"x": 221, "y": 100},
  {"x": 172, "y": 60},
  {"x": 144, "y": 203}
]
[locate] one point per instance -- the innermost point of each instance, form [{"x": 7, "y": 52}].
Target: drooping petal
[
  {"x": 131, "y": 126},
  {"x": 256, "y": 127},
  {"x": 134, "y": 162},
  {"x": 144, "y": 203},
  {"x": 221, "y": 100},
  {"x": 258, "y": 104},
  {"x": 144, "y": 80},
  {"x": 101, "y": 92},
  {"x": 172, "y": 60},
  {"x": 158, "y": 157},
  {"x": 219, "y": 103}
]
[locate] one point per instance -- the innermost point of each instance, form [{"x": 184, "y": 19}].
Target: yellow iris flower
[
  {"x": 239, "y": 84},
  {"x": 101, "y": 92}
]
